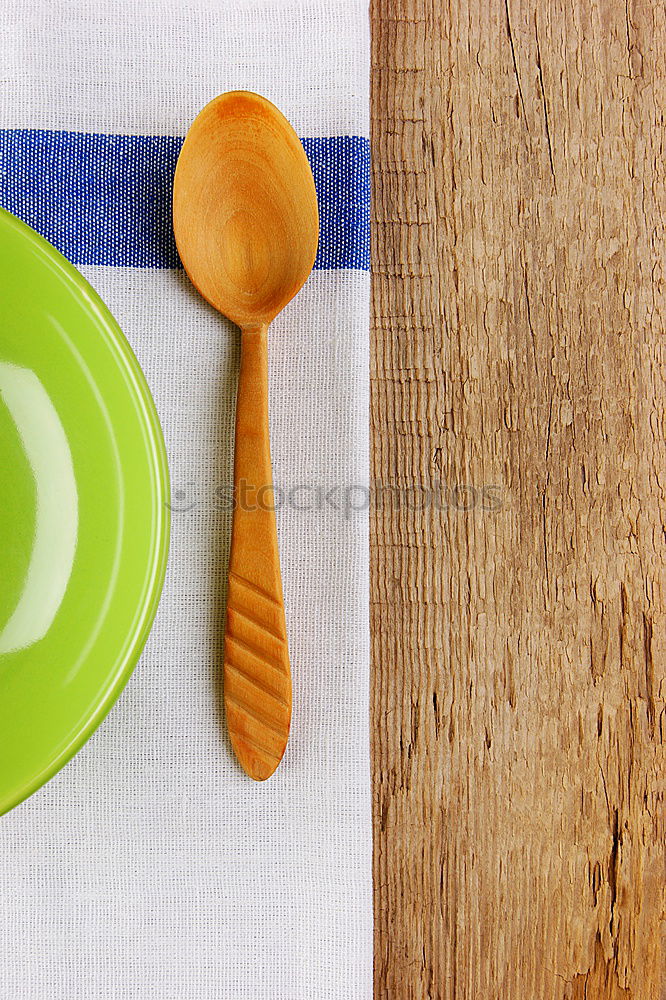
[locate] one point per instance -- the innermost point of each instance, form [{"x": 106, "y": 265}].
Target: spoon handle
[{"x": 257, "y": 677}]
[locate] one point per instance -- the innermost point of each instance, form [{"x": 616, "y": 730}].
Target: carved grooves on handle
[{"x": 257, "y": 683}]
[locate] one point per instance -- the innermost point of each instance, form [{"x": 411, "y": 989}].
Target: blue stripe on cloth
[{"x": 106, "y": 199}]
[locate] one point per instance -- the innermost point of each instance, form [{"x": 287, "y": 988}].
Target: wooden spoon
[{"x": 246, "y": 224}]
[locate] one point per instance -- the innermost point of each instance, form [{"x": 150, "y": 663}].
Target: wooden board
[{"x": 517, "y": 543}]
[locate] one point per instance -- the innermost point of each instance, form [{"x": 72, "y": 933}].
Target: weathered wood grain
[{"x": 518, "y": 692}]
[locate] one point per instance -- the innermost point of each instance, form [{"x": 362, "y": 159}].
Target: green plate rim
[{"x": 146, "y": 406}]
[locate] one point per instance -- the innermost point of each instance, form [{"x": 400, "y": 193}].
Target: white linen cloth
[{"x": 151, "y": 866}]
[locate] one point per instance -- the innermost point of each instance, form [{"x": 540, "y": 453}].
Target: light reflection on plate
[{"x": 56, "y": 507}]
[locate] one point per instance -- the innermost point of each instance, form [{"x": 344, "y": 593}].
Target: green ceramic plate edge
[{"x": 83, "y": 290}]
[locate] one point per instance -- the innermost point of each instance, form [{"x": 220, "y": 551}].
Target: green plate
[{"x": 84, "y": 519}]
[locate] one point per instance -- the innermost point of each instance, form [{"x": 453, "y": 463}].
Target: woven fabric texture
[{"x": 150, "y": 866}]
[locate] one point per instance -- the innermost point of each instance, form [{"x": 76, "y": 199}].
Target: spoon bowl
[
  {"x": 245, "y": 208},
  {"x": 247, "y": 227}
]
